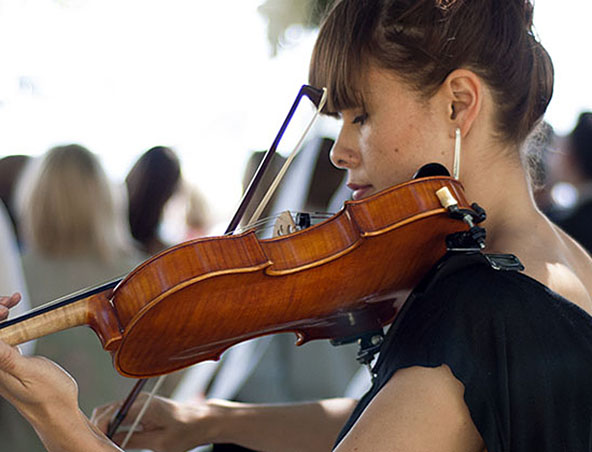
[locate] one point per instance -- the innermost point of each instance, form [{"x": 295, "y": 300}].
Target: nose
[{"x": 343, "y": 154}]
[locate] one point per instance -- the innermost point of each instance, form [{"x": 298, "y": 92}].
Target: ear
[{"x": 462, "y": 92}]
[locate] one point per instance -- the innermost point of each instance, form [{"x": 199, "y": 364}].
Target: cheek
[
  {"x": 388, "y": 168},
  {"x": 383, "y": 158}
]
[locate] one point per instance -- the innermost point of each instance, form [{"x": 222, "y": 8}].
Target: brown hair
[
  {"x": 151, "y": 182},
  {"x": 423, "y": 41}
]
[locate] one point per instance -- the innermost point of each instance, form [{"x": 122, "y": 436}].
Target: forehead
[
  {"x": 377, "y": 86},
  {"x": 368, "y": 84}
]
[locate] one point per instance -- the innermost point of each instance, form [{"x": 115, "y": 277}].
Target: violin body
[{"x": 346, "y": 275}]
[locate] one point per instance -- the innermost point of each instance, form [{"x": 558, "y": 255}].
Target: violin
[{"x": 339, "y": 278}]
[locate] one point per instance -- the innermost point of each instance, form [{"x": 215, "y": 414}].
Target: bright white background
[{"x": 120, "y": 76}]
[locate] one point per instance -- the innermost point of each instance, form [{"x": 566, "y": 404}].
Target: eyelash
[{"x": 361, "y": 119}]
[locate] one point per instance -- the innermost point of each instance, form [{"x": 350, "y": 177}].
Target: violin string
[
  {"x": 267, "y": 222},
  {"x": 288, "y": 161},
  {"x": 142, "y": 411},
  {"x": 261, "y": 223}
]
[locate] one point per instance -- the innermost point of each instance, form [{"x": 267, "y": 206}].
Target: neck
[{"x": 497, "y": 182}]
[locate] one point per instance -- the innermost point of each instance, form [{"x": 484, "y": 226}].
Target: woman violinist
[{"x": 483, "y": 358}]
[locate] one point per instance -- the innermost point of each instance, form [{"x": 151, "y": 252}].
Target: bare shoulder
[
  {"x": 565, "y": 268},
  {"x": 419, "y": 409}
]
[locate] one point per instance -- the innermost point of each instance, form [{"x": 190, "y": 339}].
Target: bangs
[{"x": 340, "y": 52}]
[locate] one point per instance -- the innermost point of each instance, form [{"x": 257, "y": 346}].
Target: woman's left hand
[
  {"x": 32, "y": 383},
  {"x": 7, "y": 302},
  {"x": 47, "y": 396}
]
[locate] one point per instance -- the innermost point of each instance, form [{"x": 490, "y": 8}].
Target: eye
[{"x": 361, "y": 119}]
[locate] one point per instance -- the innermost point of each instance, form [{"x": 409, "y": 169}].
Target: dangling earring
[{"x": 456, "y": 163}]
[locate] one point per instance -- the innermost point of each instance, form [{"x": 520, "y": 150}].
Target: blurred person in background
[
  {"x": 11, "y": 271},
  {"x": 15, "y": 432},
  {"x": 197, "y": 214},
  {"x": 75, "y": 236},
  {"x": 11, "y": 168},
  {"x": 151, "y": 182},
  {"x": 576, "y": 169},
  {"x": 539, "y": 155}
]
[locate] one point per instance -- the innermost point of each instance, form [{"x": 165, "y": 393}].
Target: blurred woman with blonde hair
[
  {"x": 75, "y": 236},
  {"x": 68, "y": 207}
]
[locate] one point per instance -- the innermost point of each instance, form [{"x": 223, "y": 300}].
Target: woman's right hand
[
  {"x": 7, "y": 302},
  {"x": 167, "y": 425},
  {"x": 177, "y": 427}
]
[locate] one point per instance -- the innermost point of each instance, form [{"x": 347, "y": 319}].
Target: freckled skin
[{"x": 398, "y": 136}]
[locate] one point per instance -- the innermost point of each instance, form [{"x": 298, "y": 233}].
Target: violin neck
[{"x": 92, "y": 308}]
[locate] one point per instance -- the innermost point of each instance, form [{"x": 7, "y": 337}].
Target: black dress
[{"x": 523, "y": 353}]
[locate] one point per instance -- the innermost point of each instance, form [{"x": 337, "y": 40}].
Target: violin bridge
[{"x": 284, "y": 224}]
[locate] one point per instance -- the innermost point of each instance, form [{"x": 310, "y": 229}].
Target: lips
[{"x": 359, "y": 191}]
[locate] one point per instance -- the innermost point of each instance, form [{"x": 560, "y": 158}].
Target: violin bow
[{"x": 319, "y": 98}]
